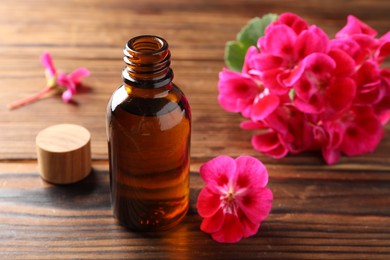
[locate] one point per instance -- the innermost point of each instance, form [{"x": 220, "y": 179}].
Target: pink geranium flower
[
  {"x": 235, "y": 199},
  {"x": 357, "y": 132},
  {"x": 66, "y": 83},
  {"x": 237, "y": 91},
  {"x": 71, "y": 82},
  {"x": 310, "y": 92},
  {"x": 281, "y": 51}
]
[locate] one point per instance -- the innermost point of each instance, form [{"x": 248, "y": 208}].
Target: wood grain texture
[
  {"x": 319, "y": 212},
  {"x": 93, "y": 33},
  {"x": 64, "y": 153},
  {"x": 328, "y": 214}
]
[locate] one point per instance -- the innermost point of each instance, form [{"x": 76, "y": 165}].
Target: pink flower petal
[
  {"x": 47, "y": 62},
  {"x": 334, "y": 134},
  {"x": 294, "y": 75},
  {"x": 315, "y": 104},
  {"x": 245, "y": 107},
  {"x": 293, "y": 21},
  {"x": 250, "y": 172},
  {"x": 236, "y": 90},
  {"x": 269, "y": 144},
  {"x": 340, "y": 94},
  {"x": 319, "y": 64},
  {"x": 257, "y": 204},
  {"x": 278, "y": 119},
  {"x": 265, "y": 61},
  {"x": 384, "y": 47},
  {"x": 264, "y": 106},
  {"x": 304, "y": 88},
  {"x": 208, "y": 202},
  {"x": 367, "y": 45},
  {"x": 78, "y": 74},
  {"x": 67, "y": 96},
  {"x": 213, "y": 223},
  {"x": 368, "y": 74},
  {"x": 266, "y": 141},
  {"x": 355, "y": 26},
  {"x": 218, "y": 171},
  {"x": 277, "y": 153},
  {"x": 239, "y": 87},
  {"x": 349, "y": 46},
  {"x": 248, "y": 227},
  {"x": 345, "y": 65},
  {"x": 363, "y": 134},
  {"x": 279, "y": 41},
  {"x": 231, "y": 230},
  {"x": 331, "y": 155},
  {"x": 250, "y": 54},
  {"x": 271, "y": 80},
  {"x": 370, "y": 89},
  {"x": 65, "y": 81},
  {"x": 382, "y": 108},
  {"x": 316, "y": 67},
  {"x": 229, "y": 104},
  {"x": 251, "y": 125},
  {"x": 385, "y": 116},
  {"x": 313, "y": 40}
]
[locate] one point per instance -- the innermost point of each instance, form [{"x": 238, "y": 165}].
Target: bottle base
[{"x": 148, "y": 216}]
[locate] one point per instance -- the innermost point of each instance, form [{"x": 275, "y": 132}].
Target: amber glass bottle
[{"x": 148, "y": 129}]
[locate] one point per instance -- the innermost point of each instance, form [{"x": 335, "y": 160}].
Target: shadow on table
[{"x": 92, "y": 192}]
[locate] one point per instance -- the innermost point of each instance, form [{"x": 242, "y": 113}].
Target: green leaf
[
  {"x": 235, "y": 55},
  {"x": 235, "y": 50},
  {"x": 255, "y": 29}
]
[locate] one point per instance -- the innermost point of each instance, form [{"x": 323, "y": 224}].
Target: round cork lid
[{"x": 64, "y": 153}]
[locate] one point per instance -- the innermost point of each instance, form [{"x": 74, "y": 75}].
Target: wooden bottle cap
[{"x": 64, "y": 153}]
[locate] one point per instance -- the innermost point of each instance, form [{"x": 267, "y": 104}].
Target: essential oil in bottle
[{"x": 148, "y": 130}]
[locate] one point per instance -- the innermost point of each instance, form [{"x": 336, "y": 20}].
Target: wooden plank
[
  {"x": 319, "y": 211},
  {"x": 338, "y": 214},
  {"x": 93, "y": 33}
]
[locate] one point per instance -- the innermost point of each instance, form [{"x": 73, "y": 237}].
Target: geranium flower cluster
[{"x": 306, "y": 91}]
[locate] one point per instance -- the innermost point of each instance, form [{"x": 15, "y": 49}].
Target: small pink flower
[
  {"x": 291, "y": 129},
  {"x": 71, "y": 82},
  {"x": 237, "y": 91},
  {"x": 323, "y": 87},
  {"x": 55, "y": 82},
  {"x": 363, "y": 131},
  {"x": 356, "y": 132},
  {"x": 235, "y": 200},
  {"x": 281, "y": 50}
]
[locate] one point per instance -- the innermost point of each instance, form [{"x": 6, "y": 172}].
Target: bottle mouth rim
[{"x": 147, "y": 44}]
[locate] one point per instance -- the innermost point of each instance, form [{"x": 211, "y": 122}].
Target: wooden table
[{"x": 319, "y": 211}]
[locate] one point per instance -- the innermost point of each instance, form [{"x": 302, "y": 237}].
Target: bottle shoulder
[{"x": 149, "y": 102}]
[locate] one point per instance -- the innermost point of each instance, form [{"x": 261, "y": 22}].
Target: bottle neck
[{"x": 148, "y": 62}]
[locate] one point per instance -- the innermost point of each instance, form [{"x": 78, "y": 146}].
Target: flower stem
[{"x": 30, "y": 99}]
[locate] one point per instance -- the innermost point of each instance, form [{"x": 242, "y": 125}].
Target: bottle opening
[
  {"x": 147, "y": 44},
  {"x": 147, "y": 59}
]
